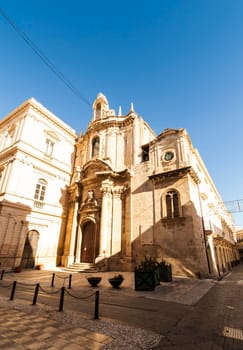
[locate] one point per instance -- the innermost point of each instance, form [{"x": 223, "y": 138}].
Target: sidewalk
[
  {"x": 24, "y": 330},
  {"x": 181, "y": 290},
  {"x": 39, "y": 328}
]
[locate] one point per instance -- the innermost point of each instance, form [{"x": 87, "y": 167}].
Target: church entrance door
[
  {"x": 30, "y": 248},
  {"x": 88, "y": 242}
]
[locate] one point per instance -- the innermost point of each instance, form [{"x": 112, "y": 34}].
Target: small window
[
  {"x": 172, "y": 204},
  {"x": 95, "y": 147},
  {"x": 145, "y": 153},
  {"x": 40, "y": 190},
  {"x": 98, "y": 111},
  {"x": 49, "y": 147}
]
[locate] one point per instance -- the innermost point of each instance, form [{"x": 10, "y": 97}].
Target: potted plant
[
  {"x": 165, "y": 271},
  {"x": 147, "y": 275},
  {"x": 116, "y": 280},
  {"x": 94, "y": 280}
]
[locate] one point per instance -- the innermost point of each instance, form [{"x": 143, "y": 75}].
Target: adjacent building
[
  {"x": 239, "y": 236},
  {"x": 36, "y": 159},
  {"x": 108, "y": 197}
]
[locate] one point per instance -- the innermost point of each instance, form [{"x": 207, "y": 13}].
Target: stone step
[{"x": 81, "y": 267}]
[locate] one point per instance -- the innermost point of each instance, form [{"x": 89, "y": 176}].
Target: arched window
[
  {"x": 40, "y": 190},
  {"x": 98, "y": 111},
  {"x": 172, "y": 204},
  {"x": 95, "y": 147}
]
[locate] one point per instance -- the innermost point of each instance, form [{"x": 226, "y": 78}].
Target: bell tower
[{"x": 100, "y": 107}]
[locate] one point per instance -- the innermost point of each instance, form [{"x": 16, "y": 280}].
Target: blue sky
[{"x": 179, "y": 62}]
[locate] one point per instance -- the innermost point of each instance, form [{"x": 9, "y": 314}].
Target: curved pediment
[{"x": 95, "y": 166}]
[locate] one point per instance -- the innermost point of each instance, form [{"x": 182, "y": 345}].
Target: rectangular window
[
  {"x": 40, "y": 190},
  {"x": 145, "y": 153},
  {"x": 49, "y": 147}
]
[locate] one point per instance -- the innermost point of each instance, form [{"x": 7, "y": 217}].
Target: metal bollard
[
  {"x": 53, "y": 278},
  {"x": 97, "y": 297},
  {"x": 13, "y": 290},
  {"x": 36, "y": 294},
  {"x": 70, "y": 282},
  {"x": 61, "y": 299}
]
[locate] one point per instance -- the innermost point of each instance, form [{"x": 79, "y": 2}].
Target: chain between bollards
[{"x": 70, "y": 282}]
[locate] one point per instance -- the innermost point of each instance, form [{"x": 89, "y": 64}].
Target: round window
[{"x": 168, "y": 156}]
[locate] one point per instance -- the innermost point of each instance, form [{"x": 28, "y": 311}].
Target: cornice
[
  {"x": 43, "y": 111},
  {"x": 105, "y": 124},
  {"x": 175, "y": 174},
  {"x": 53, "y": 118}
]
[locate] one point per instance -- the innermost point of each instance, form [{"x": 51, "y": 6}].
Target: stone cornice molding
[
  {"x": 117, "y": 122},
  {"x": 156, "y": 178},
  {"x": 44, "y": 112},
  {"x": 222, "y": 242}
]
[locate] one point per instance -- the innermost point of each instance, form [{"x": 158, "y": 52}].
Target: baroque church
[{"x": 108, "y": 197}]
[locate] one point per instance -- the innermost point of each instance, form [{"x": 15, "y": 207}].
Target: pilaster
[
  {"x": 117, "y": 220},
  {"x": 106, "y": 216}
]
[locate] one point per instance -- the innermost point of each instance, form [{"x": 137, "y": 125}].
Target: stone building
[
  {"x": 239, "y": 237},
  {"x": 129, "y": 194},
  {"x": 134, "y": 194},
  {"x": 36, "y": 157}
]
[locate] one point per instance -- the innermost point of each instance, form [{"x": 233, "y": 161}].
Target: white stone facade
[
  {"x": 36, "y": 156},
  {"x": 129, "y": 193}
]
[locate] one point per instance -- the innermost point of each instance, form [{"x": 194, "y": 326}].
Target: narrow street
[{"x": 214, "y": 322}]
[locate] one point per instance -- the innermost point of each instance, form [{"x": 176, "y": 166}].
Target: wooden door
[
  {"x": 88, "y": 243},
  {"x": 30, "y": 248}
]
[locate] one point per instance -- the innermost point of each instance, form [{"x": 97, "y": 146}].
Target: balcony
[{"x": 38, "y": 204}]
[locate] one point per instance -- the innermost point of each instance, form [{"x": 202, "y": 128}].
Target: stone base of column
[{"x": 67, "y": 260}]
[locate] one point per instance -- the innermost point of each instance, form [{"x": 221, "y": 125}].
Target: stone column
[
  {"x": 71, "y": 227},
  {"x": 73, "y": 234},
  {"x": 105, "y": 224},
  {"x": 78, "y": 245},
  {"x": 213, "y": 256},
  {"x": 116, "y": 220}
]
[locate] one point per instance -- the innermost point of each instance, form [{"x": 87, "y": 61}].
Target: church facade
[{"x": 123, "y": 193}]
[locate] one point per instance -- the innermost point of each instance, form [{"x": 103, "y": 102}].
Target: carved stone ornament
[{"x": 90, "y": 201}]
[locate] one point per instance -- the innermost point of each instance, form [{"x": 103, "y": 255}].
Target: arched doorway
[
  {"x": 88, "y": 247},
  {"x": 30, "y": 248}
]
